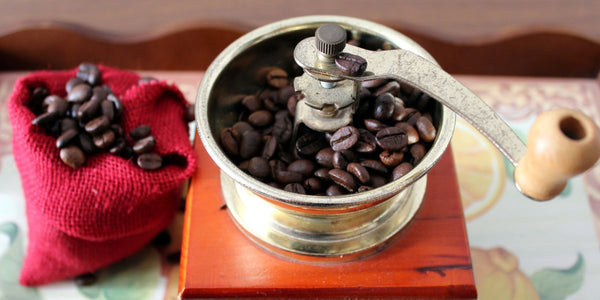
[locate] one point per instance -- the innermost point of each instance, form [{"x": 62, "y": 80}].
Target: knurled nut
[{"x": 330, "y": 39}]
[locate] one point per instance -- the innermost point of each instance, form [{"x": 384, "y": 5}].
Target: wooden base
[{"x": 430, "y": 259}]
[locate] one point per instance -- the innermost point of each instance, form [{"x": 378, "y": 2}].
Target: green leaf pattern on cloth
[
  {"x": 10, "y": 266},
  {"x": 135, "y": 277},
  {"x": 556, "y": 284}
]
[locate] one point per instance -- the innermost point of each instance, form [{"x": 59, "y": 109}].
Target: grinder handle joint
[{"x": 561, "y": 144}]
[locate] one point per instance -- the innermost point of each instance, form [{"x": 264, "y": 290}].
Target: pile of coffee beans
[
  {"x": 86, "y": 122},
  {"x": 391, "y": 132}
]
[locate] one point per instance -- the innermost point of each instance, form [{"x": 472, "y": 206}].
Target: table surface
[{"x": 521, "y": 249}]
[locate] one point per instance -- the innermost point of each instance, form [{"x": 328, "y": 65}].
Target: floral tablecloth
[{"x": 521, "y": 249}]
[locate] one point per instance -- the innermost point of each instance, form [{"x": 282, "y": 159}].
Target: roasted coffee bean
[
  {"x": 89, "y": 72},
  {"x": 250, "y": 144},
  {"x": 341, "y": 159},
  {"x": 118, "y": 105},
  {"x": 310, "y": 143},
  {"x": 401, "y": 170},
  {"x": 343, "y": 178},
  {"x": 294, "y": 188},
  {"x": 428, "y": 117},
  {"x": 284, "y": 94},
  {"x": 67, "y": 123},
  {"x": 46, "y": 119},
  {"x": 66, "y": 137},
  {"x": 417, "y": 151},
  {"x": 140, "y": 132},
  {"x": 144, "y": 145},
  {"x": 374, "y": 125},
  {"x": 71, "y": 83},
  {"x": 97, "y": 125},
  {"x": 270, "y": 147},
  {"x": 377, "y": 181},
  {"x": 286, "y": 177},
  {"x": 335, "y": 190},
  {"x": 74, "y": 109},
  {"x": 322, "y": 174},
  {"x": 162, "y": 239},
  {"x": 303, "y": 166},
  {"x": 285, "y": 156},
  {"x": 86, "y": 143},
  {"x": 391, "y": 87},
  {"x": 313, "y": 185},
  {"x": 108, "y": 109},
  {"x": 344, "y": 138},
  {"x": 426, "y": 129},
  {"x": 79, "y": 93},
  {"x": 146, "y": 79},
  {"x": 292, "y": 102},
  {"x": 363, "y": 188},
  {"x": 412, "y": 136},
  {"x": 374, "y": 165},
  {"x": 72, "y": 156},
  {"x": 325, "y": 157},
  {"x": 37, "y": 97},
  {"x": 117, "y": 129},
  {"x": 241, "y": 127},
  {"x": 118, "y": 147},
  {"x": 244, "y": 165},
  {"x": 259, "y": 167},
  {"x": 268, "y": 93},
  {"x": 373, "y": 83},
  {"x": 359, "y": 172},
  {"x": 413, "y": 119},
  {"x": 391, "y": 138},
  {"x": 49, "y": 99},
  {"x": 366, "y": 142},
  {"x": 276, "y": 166},
  {"x": 88, "y": 110},
  {"x": 277, "y": 77},
  {"x": 252, "y": 103},
  {"x": 149, "y": 161},
  {"x": 351, "y": 64},
  {"x": 260, "y": 118},
  {"x": 99, "y": 93},
  {"x": 270, "y": 105},
  {"x": 275, "y": 185},
  {"x": 85, "y": 279},
  {"x": 364, "y": 92},
  {"x": 282, "y": 129},
  {"x": 391, "y": 158},
  {"x": 58, "y": 105},
  {"x": 384, "y": 107},
  {"x": 189, "y": 115},
  {"x": 105, "y": 139},
  {"x": 405, "y": 114}
]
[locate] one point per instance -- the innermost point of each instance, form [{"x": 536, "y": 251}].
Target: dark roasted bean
[
  {"x": 140, "y": 132},
  {"x": 341, "y": 159},
  {"x": 343, "y": 178},
  {"x": 384, "y": 107},
  {"x": 259, "y": 167},
  {"x": 97, "y": 125},
  {"x": 71, "y": 83},
  {"x": 373, "y": 83},
  {"x": 374, "y": 125},
  {"x": 117, "y": 129},
  {"x": 418, "y": 152},
  {"x": 413, "y": 119},
  {"x": 108, "y": 109},
  {"x": 85, "y": 279},
  {"x": 276, "y": 166},
  {"x": 405, "y": 114},
  {"x": 86, "y": 143},
  {"x": 282, "y": 129},
  {"x": 72, "y": 156},
  {"x": 390, "y": 158},
  {"x": 310, "y": 143},
  {"x": 59, "y": 105},
  {"x": 366, "y": 142},
  {"x": 275, "y": 185},
  {"x": 104, "y": 140},
  {"x": 401, "y": 170},
  {"x": 67, "y": 123},
  {"x": 412, "y": 136},
  {"x": 117, "y": 147},
  {"x": 286, "y": 177},
  {"x": 89, "y": 72},
  {"x": 250, "y": 144},
  {"x": 66, "y": 137},
  {"x": 79, "y": 93},
  {"x": 99, "y": 93},
  {"x": 144, "y": 145},
  {"x": 322, "y": 174},
  {"x": 270, "y": 147},
  {"x": 303, "y": 166},
  {"x": 426, "y": 129},
  {"x": 313, "y": 185},
  {"x": 118, "y": 105},
  {"x": 284, "y": 94},
  {"x": 294, "y": 188},
  {"x": 252, "y": 103},
  {"x": 377, "y": 181},
  {"x": 260, "y": 118},
  {"x": 37, "y": 97},
  {"x": 325, "y": 157},
  {"x": 46, "y": 119},
  {"x": 244, "y": 165},
  {"x": 74, "y": 109},
  {"x": 344, "y": 138},
  {"x": 88, "y": 110},
  {"x": 292, "y": 102},
  {"x": 391, "y": 87},
  {"x": 359, "y": 172},
  {"x": 149, "y": 161},
  {"x": 335, "y": 190},
  {"x": 242, "y": 127},
  {"x": 374, "y": 165},
  {"x": 391, "y": 138},
  {"x": 351, "y": 64},
  {"x": 277, "y": 77}
]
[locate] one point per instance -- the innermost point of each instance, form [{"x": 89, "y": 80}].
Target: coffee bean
[
  {"x": 391, "y": 138},
  {"x": 295, "y": 188},
  {"x": 390, "y": 158},
  {"x": 412, "y": 136},
  {"x": 373, "y": 83},
  {"x": 140, "y": 132},
  {"x": 37, "y": 97},
  {"x": 401, "y": 170},
  {"x": 343, "y": 178},
  {"x": 74, "y": 109},
  {"x": 58, "y": 105},
  {"x": 104, "y": 140},
  {"x": 71, "y": 83},
  {"x": 260, "y": 118},
  {"x": 384, "y": 107},
  {"x": 85, "y": 279},
  {"x": 359, "y": 172},
  {"x": 270, "y": 105},
  {"x": 86, "y": 143},
  {"x": 341, "y": 159},
  {"x": 344, "y": 138},
  {"x": 374, "y": 125},
  {"x": 108, "y": 109},
  {"x": 313, "y": 185},
  {"x": 144, "y": 145},
  {"x": 335, "y": 190},
  {"x": 391, "y": 87},
  {"x": 89, "y": 72},
  {"x": 189, "y": 115},
  {"x": 325, "y": 157},
  {"x": 377, "y": 181},
  {"x": 89, "y": 110},
  {"x": 374, "y": 165},
  {"x": 67, "y": 123},
  {"x": 275, "y": 185},
  {"x": 363, "y": 188},
  {"x": 241, "y": 127},
  {"x": 46, "y": 119},
  {"x": 309, "y": 143},
  {"x": 277, "y": 77},
  {"x": 286, "y": 177},
  {"x": 97, "y": 125},
  {"x": 276, "y": 166},
  {"x": 99, "y": 93},
  {"x": 428, "y": 117},
  {"x": 282, "y": 129},
  {"x": 244, "y": 165},
  {"x": 259, "y": 167},
  {"x": 252, "y": 103},
  {"x": 79, "y": 93},
  {"x": 117, "y": 129},
  {"x": 293, "y": 102},
  {"x": 72, "y": 156},
  {"x": 118, "y": 147},
  {"x": 303, "y": 166},
  {"x": 149, "y": 161},
  {"x": 66, "y": 137},
  {"x": 405, "y": 115},
  {"x": 118, "y": 105},
  {"x": 418, "y": 152},
  {"x": 250, "y": 144},
  {"x": 49, "y": 99},
  {"x": 270, "y": 147},
  {"x": 322, "y": 174},
  {"x": 366, "y": 142},
  {"x": 426, "y": 129},
  {"x": 351, "y": 64}
]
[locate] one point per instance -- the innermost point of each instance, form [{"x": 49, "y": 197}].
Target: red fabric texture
[{"x": 83, "y": 219}]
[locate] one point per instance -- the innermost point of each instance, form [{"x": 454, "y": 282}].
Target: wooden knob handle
[{"x": 561, "y": 144}]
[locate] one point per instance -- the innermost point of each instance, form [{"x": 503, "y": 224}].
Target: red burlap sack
[{"x": 86, "y": 218}]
